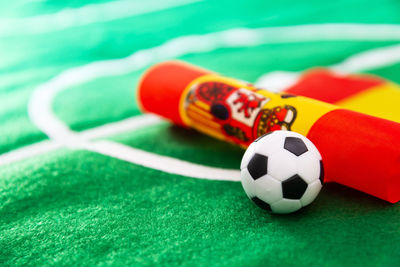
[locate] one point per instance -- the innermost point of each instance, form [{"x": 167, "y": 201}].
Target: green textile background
[{"x": 70, "y": 206}]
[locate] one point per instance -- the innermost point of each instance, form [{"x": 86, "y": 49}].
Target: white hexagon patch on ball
[{"x": 282, "y": 171}]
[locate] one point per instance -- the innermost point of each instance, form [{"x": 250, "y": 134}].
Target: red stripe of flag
[{"x": 331, "y": 87}]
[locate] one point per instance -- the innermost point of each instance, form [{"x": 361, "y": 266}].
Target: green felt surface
[
  {"x": 69, "y": 206},
  {"x": 90, "y": 215}
]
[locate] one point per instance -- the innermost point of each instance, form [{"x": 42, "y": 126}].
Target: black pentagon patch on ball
[
  {"x": 261, "y": 204},
  {"x": 321, "y": 172},
  {"x": 258, "y": 166},
  {"x": 220, "y": 111},
  {"x": 261, "y": 136},
  {"x": 295, "y": 145},
  {"x": 294, "y": 187}
]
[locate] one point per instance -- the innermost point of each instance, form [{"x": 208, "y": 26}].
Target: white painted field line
[
  {"x": 88, "y": 14},
  {"x": 123, "y": 126},
  {"x": 29, "y": 151},
  {"x": 370, "y": 59},
  {"x": 278, "y": 81},
  {"x": 126, "y": 153},
  {"x": 110, "y": 129},
  {"x": 162, "y": 163}
]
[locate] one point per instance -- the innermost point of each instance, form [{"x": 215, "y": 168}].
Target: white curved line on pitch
[
  {"x": 126, "y": 125},
  {"x": 162, "y": 163},
  {"x": 125, "y": 153},
  {"x": 278, "y": 81},
  {"x": 371, "y": 59},
  {"x": 113, "y": 128},
  {"x": 29, "y": 151},
  {"x": 88, "y": 14}
]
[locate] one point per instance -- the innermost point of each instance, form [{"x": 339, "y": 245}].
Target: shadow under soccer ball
[{"x": 282, "y": 172}]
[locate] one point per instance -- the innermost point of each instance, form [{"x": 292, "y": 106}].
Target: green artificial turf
[
  {"x": 72, "y": 207},
  {"x": 89, "y": 209}
]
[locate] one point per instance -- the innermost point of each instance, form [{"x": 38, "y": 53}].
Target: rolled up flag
[{"x": 359, "y": 150}]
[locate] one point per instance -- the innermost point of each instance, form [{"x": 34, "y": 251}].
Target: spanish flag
[{"x": 359, "y": 150}]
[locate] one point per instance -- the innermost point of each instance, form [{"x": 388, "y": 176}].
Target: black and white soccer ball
[{"x": 282, "y": 171}]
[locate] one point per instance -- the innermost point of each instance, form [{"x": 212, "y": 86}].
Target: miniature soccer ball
[{"x": 282, "y": 171}]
